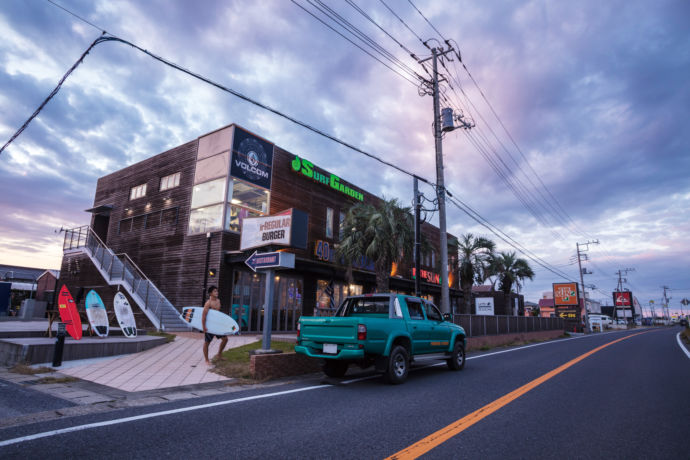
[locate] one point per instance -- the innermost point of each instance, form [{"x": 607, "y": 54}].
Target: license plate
[{"x": 330, "y": 348}]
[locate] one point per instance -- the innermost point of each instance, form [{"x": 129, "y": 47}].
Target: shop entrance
[{"x": 248, "y": 301}]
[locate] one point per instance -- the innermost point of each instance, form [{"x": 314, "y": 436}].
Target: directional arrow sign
[{"x": 270, "y": 260}]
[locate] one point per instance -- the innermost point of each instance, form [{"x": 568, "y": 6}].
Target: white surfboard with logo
[
  {"x": 125, "y": 317},
  {"x": 217, "y": 323}
]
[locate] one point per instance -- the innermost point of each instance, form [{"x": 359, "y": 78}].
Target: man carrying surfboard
[{"x": 212, "y": 303}]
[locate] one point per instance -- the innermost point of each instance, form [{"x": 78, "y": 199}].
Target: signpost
[
  {"x": 287, "y": 228},
  {"x": 566, "y": 302},
  {"x": 270, "y": 260}
]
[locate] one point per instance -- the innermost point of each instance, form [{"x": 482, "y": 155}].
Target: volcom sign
[{"x": 252, "y": 158}]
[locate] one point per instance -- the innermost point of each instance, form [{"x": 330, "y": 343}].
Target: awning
[
  {"x": 23, "y": 286},
  {"x": 102, "y": 209}
]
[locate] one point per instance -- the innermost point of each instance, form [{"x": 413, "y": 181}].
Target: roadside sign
[
  {"x": 565, "y": 294},
  {"x": 269, "y": 260}
]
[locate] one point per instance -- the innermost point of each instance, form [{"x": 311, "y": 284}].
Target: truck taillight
[
  {"x": 298, "y": 330},
  {"x": 361, "y": 332}
]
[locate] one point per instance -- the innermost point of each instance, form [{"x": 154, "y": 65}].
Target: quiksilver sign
[
  {"x": 252, "y": 159},
  {"x": 307, "y": 168}
]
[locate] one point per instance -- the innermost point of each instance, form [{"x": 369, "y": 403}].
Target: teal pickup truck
[{"x": 388, "y": 331}]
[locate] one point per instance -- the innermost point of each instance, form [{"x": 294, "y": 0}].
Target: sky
[{"x": 579, "y": 115}]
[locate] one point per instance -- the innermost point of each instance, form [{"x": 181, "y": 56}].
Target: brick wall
[{"x": 264, "y": 367}]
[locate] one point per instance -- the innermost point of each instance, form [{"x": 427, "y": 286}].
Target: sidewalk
[{"x": 170, "y": 372}]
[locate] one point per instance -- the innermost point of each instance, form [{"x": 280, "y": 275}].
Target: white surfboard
[
  {"x": 95, "y": 311},
  {"x": 217, "y": 323},
  {"x": 125, "y": 317}
]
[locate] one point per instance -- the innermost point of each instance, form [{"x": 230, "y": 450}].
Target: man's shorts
[{"x": 208, "y": 336}]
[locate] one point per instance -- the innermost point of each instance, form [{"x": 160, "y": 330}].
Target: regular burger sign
[{"x": 287, "y": 228}]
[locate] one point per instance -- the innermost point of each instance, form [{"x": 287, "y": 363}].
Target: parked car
[{"x": 389, "y": 331}]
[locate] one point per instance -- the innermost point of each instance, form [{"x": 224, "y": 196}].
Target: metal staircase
[{"x": 119, "y": 269}]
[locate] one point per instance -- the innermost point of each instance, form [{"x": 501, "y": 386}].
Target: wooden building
[{"x": 179, "y": 212}]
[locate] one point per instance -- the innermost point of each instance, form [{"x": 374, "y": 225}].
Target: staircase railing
[{"x": 119, "y": 269}]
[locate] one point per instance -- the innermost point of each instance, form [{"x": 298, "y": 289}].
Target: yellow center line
[{"x": 435, "y": 439}]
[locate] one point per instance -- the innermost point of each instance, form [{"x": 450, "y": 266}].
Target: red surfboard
[{"x": 69, "y": 314}]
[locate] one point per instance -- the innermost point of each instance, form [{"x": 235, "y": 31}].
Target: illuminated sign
[
  {"x": 429, "y": 277},
  {"x": 322, "y": 250},
  {"x": 565, "y": 294},
  {"x": 288, "y": 228},
  {"x": 307, "y": 168},
  {"x": 252, "y": 159},
  {"x": 567, "y": 314},
  {"x": 622, "y": 299}
]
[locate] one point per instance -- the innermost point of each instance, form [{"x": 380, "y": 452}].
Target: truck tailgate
[{"x": 332, "y": 330}]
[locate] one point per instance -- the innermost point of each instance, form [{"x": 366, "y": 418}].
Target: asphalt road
[
  {"x": 626, "y": 400},
  {"x": 16, "y": 400}
]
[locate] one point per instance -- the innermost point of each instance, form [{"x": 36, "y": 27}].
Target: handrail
[
  {"x": 123, "y": 255},
  {"x": 131, "y": 275}
]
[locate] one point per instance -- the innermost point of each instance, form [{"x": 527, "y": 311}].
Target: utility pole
[
  {"x": 582, "y": 279},
  {"x": 665, "y": 305},
  {"x": 437, "y": 53},
  {"x": 417, "y": 237}
]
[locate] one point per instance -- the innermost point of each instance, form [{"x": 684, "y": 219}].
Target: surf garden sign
[{"x": 308, "y": 169}]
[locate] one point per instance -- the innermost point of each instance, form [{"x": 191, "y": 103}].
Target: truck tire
[
  {"x": 335, "y": 368},
  {"x": 457, "y": 358},
  {"x": 398, "y": 365}
]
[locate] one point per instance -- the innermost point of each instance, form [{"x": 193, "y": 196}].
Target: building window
[
  {"x": 340, "y": 226},
  {"x": 329, "y": 223},
  {"x": 338, "y": 290},
  {"x": 212, "y": 192},
  {"x": 170, "y": 181},
  {"x": 137, "y": 192},
  {"x": 246, "y": 200},
  {"x": 206, "y": 219}
]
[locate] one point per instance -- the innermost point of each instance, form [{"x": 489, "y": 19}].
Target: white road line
[
  {"x": 682, "y": 347},
  {"x": 152, "y": 415}
]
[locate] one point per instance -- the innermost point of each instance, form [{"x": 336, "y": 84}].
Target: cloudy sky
[{"x": 581, "y": 112}]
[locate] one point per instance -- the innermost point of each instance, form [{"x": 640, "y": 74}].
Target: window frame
[{"x": 134, "y": 191}]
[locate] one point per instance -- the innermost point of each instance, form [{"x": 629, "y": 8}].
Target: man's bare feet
[{"x": 208, "y": 363}]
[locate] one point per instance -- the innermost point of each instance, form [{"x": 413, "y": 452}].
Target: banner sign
[
  {"x": 252, "y": 159},
  {"x": 622, "y": 298},
  {"x": 484, "y": 305},
  {"x": 565, "y": 294},
  {"x": 307, "y": 169},
  {"x": 287, "y": 228}
]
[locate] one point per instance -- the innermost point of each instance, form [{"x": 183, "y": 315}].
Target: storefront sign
[
  {"x": 323, "y": 250},
  {"x": 429, "y": 277},
  {"x": 484, "y": 305},
  {"x": 267, "y": 260},
  {"x": 622, "y": 299},
  {"x": 308, "y": 169},
  {"x": 565, "y": 294},
  {"x": 288, "y": 228},
  {"x": 252, "y": 159}
]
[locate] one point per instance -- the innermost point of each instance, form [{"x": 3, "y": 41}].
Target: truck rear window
[{"x": 364, "y": 306}]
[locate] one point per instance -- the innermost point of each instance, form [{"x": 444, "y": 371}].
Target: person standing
[{"x": 212, "y": 303}]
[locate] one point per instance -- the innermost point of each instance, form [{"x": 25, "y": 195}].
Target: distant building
[{"x": 24, "y": 280}]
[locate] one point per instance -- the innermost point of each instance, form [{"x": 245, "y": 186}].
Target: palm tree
[
  {"x": 383, "y": 234},
  {"x": 474, "y": 254},
  {"x": 511, "y": 270}
]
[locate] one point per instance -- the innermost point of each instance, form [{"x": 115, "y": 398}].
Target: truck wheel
[
  {"x": 457, "y": 358},
  {"x": 398, "y": 365},
  {"x": 334, "y": 368}
]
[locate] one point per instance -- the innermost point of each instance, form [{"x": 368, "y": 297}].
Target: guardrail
[{"x": 479, "y": 325}]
